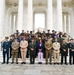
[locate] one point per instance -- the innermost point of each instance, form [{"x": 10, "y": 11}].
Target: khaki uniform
[
  {"x": 23, "y": 45},
  {"x": 56, "y": 47},
  {"x": 15, "y": 52},
  {"x": 48, "y": 46}
]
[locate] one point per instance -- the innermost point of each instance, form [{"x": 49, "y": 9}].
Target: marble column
[
  {"x": 20, "y": 15},
  {"x": 59, "y": 15},
  {"x": 69, "y": 23},
  {"x": 30, "y": 15},
  {"x": 50, "y": 15},
  {"x": 64, "y": 23},
  {"x": 2, "y": 18}
]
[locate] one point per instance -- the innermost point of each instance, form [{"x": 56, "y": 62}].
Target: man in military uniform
[
  {"x": 6, "y": 46},
  {"x": 23, "y": 45},
  {"x": 71, "y": 51},
  {"x": 32, "y": 47},
  {"x": 64, "y": 51},
  {"x": 48, "y": 46},
  {"x": 11, "y": 40},
  {"x": 56, "y": 52},
  {"x": 15, "y": 46}
]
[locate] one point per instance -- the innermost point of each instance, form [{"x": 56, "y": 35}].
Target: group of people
[{"x": 38, "y": 45}]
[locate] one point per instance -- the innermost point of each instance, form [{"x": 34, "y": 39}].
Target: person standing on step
[
  {"x": 48, "y": 46},
  {"x": 32, "y": 47},
  {"x": 40, "y": 48},
  {"x": 64, "y": 51},
  {"x": 6, "y": 47},
  {"x": 23, "y": 45},
  {"x": 56, "y": 52},
  {"x": 15, "y": 46}
]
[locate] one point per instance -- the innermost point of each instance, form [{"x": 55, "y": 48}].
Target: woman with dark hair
[{"x": 40, "y": 48}]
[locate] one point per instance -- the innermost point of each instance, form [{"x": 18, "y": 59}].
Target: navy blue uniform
[
  {"x": 6, "y": 46},
  {"x": 71, "y": 52}
]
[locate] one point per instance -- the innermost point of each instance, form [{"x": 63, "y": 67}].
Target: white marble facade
[{"x": 59, "y": 15}]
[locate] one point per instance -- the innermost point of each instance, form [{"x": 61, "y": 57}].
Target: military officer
[
  {"x": 32, "y": 47},
  {"x": 15, "y": 46},
  {"x": 11, "y": 40},
  {"x": 48, "y": 46},
  {"x": 23, "y": 45},
  {"x": 6, "y": 47},
  {"x": 56, "y": 47},
  {"x": 71, "y": 51},
  {"x": 64, "y": 51}
]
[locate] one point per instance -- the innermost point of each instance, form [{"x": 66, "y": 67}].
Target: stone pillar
[
  {"x": 50, "y": 15},
  {"x": 20, "y": 15},
  {"x": 65, "y": 23},
  {"x": 30, "y": 15},
  {"x": 59, "y": 15},
  {"x": 2, "y": 18}
]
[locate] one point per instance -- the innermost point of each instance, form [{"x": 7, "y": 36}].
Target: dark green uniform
[{"x": 32, "y": 47}]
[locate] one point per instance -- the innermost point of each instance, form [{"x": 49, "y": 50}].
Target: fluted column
[
  {"x": 20, "y": 15},
  {"x": 2, "y": 19},
  {"x": 49, "y": 15},
  {"x": 59, "y": 15},
  {"x": 30, "y": 15}
]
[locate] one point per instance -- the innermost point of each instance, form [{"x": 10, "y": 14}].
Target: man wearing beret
[
  {"x": 15, "y": 46},
  {"x": 48, "y": 46},
  {"x": 64, "y": 51},
  {"x": 32, "y": 47}
]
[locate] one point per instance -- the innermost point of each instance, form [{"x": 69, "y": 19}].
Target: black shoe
[
  {"x": 38, "y": 62},
  {"x": 3, "y": 63},
  {"x": 54, "y": 63},
  {"x": 50, "y": 63},
  {"x": 24, "y": 62},
  {"x": 30, "y": 62},
  {"x": 46, "y": 63},
  {"x": 7, "y": 63},
  {"x": 16, "y": 62},
  {"x": 12, "y": 62},
  {"x": 57, "y": 63},
  {"x": 66, "y": 63}
]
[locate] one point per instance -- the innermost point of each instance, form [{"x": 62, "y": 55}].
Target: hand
[
  {"x": 73, "y": 50},
  {"x": 4, "y": 49},
  {"x": 40, "y": 50},
  {"x": 64, "y": 50},
  {"x": 14, "y": 48},
  {"x": 32, "y": 49},
  {"x": 48, "y": 48}
]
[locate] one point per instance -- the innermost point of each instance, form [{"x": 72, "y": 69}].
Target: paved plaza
[{"x": 36, "y": 69}]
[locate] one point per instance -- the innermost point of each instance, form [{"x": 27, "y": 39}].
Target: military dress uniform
[
  {"x": 15, "y": 46},
  {"x": 32, "y": 47},
  {"x": 71, "y": 53},
  {"x": 64, "y": 52},
  {"x": 23, "y": 45},
  {"x": 6, "y": 47},
  {"x": 56, "y": 52},
  {"x": 48, "y": 46}
]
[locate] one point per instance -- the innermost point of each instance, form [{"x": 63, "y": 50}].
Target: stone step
[{"x": 27, "y": 59}]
